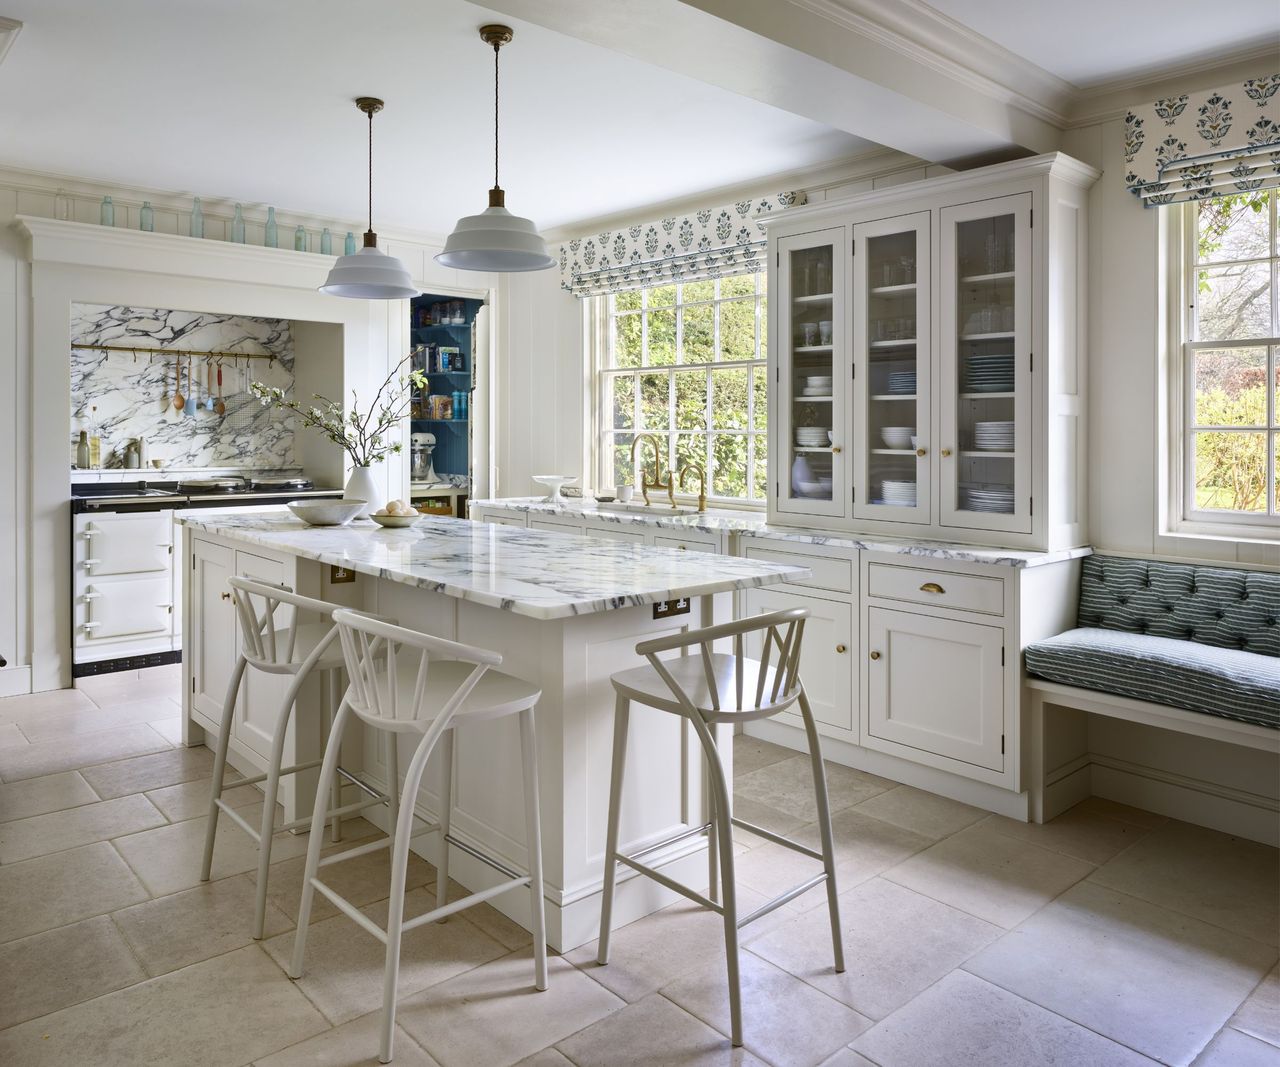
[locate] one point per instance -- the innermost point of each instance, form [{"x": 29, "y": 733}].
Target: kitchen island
[{"x": 565, "y": 612}]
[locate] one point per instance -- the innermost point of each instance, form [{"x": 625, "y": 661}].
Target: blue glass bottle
[
  {"x": 271, "y": 237},
  {"x": 108, "y": 212},
  {"x": 197, "y": 218},
  {"x": 326, "y": 242},
  {"x": 349, "y": 246},
  {"x": 299, "y": 240},
  {"x": 147, "y": 217},
  {"x": 237, "y": 227}
]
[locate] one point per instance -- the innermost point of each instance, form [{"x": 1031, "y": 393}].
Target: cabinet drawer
[
  {"x": 551, "y": 526},
  {"x": 944, "y": 589},
  {"x": 684, "y": 544},
  {"x": 834, "y": 575}
]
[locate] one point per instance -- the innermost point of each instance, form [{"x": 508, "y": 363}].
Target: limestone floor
[{"x": 1110, "y": 936}]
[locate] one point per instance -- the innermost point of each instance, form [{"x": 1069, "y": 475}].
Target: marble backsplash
[{"x": 133, "y": 395}]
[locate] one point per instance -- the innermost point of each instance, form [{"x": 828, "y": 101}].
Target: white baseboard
[{"x": 15, "y": 681}]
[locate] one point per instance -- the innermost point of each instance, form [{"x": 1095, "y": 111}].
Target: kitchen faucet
[{"x": 657, "y": 483}]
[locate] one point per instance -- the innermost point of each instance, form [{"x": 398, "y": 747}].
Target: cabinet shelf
[
  {"x": 893, "y": 396},
  {"x": 893, "y": 290},
  {"x": 810, "y": 448},
  {"x": 893, "y": 452},
  {"x": 905, "y": 342},
  {"x": 987, "y": 396},
  {"x": 801, "y": 350},
  {"x": 972, "y": 452},
  {"x": 812, "y": 399},
  {"x": 999, "y": 276},
  {"x": 814, "y": 298},
  {"x": 1004, "y": 335}
]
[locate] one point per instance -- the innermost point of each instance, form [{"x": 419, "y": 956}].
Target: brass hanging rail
[{"x": 178, "y": 353}]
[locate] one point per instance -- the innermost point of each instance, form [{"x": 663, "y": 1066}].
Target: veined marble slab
[
  {"x": 529, "y": 572},
  {"x": 746, "y": 524}
]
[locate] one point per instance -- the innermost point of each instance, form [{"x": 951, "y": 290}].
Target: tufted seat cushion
[{"x": 1178, "y": 673}]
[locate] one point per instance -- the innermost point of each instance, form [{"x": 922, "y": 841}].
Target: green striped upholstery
[{"x": 1206, "y": 639}]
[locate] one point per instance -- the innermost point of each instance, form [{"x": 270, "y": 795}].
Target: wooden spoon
[
  {"x": 220, "y": 407},
  {"x": 178, "y": 399}
]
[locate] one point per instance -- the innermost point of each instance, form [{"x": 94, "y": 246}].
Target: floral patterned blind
[
  {"x": 690, "y": 247},
  {"x": 1211, "y": 143}
]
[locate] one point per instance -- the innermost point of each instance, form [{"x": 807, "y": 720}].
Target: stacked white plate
[
  {"x": 902, "y": 381},
  {"x": 995, "y": 499},
  {"x": 989, "y": 373},
  {"x": 901, "y": 494},
  {"x": 993, "y": 436},
  {"x": 816, "y": 386},
  {"x": 812, "y": 436}
]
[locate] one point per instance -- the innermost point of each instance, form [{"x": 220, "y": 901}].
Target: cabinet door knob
[
  {"x": 875, "y": 655},
  {"x": 835, "y": 449},
  {"x": 683, "y": 548},
  {"x": 225, "y": 596},
  {"x": 946, "y": 451},
  {"x": 841, "y": 649},
  {"x": 932, "y": 587},
  {"x": 921, "y": 451}
]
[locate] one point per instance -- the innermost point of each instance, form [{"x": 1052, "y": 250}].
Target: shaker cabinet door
[{"x": 212, "y": 644}]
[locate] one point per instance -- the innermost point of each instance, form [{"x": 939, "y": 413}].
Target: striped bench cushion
[{"x": 1177, "y": 673}]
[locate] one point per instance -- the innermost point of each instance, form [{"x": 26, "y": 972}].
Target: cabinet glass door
[
  {"x": 985, "y": 334},
  {"x": 891, "y": 380},
  {"x": 812, "y": 373}
]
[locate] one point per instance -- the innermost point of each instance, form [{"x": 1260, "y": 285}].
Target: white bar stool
[
  {"x": 423, "y": 694},
  {"x": 296, "y": 649},
  {"x": 694, "y": 686}
]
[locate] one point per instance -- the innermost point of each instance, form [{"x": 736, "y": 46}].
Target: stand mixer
[{"x": 422, "y": 469}]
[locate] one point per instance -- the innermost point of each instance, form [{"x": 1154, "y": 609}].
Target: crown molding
[{"x": 9, "y": 30}]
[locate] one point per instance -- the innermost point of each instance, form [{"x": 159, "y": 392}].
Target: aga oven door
[
  {"x": 127, "y": 544},
  {"x": 133, "y": 607}
]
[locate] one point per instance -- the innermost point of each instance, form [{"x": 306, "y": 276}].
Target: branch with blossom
[{"x": 364, "y": 437}]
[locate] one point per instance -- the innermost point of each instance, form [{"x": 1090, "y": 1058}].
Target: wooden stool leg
[
  {"x": 446, "y": 807},
  {"x": 621, "y": 719},
  {"x": 533, "y": 836},
  {"x": 220, "y": 764},
  {"x": 824, "y": 829}
]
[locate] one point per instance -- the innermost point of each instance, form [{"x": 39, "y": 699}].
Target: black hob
[{"x": 194, "y": 493}]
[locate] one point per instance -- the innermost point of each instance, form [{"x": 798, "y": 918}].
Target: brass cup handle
[
  {"x": 225, "y": 596},
  {"x": 835, "y": 449},
  {"x": 946, "y": 451},
  {"x": 841, "y": 649},
  {"x": 932, "y": 587},
  {"x": 875, "y": 655},
  {"x": 921, "y": 451}
]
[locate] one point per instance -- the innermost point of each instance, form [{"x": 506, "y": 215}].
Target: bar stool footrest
[
  {"x": 785, "y": 898},
  {"x": 463, "y": 903},
  {"x": 672, "y": 884},
  {"x": 239, "y": 820},
  {"x": 778, "y": 839}
]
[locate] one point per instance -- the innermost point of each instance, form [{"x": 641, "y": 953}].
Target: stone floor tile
[
  {"x": 752, "y": 753},
  {"x": 11, "y": 735},
  {"x": 353, "y": 1044},
  {"x": 784, "y": 1020},
  {"x": 90, "y": 880},
  {"x": 920, "y": 812},
  {"x": 1231, "y": 1048},
  {"x": 94, "y": 720},
  {"x": 343, "y": 968},
  {"x": 48, "y": 971},
  {"x": 1124, "y": 812},
  {"x": 788, "y": 786},
  {"x": 39, "y": 835},
  {"x": 964, "y": 1020},
  {"x": 548, "y": 1057},
  {"x": 505, "y": 931},
  {"x": 167, "y": 859},
  {"x": 990, "y": 875},
  {"x": 763, "y": 815},
  {"x": 1149, "y": 978},
  {"x": 79, "y": 752},
  {"x": 190, "y": 800},
  {"x": 169, "y": 729},
  {"x": 896, "y": 944},
  {"x": 1260, "y": 1014},
  {"x": 653, "y": 1031},
  {"x": 494, "y": 1016},
  {"x": 39, "y": 796},
  {"x": 197, "y": 924},
  {"x": 846, "y": 1057},
  {"x": 36, "y": 705},
  {"x": 1224, "y": 880},
  {"x": 1082, "y": 834},
  {"x": 163, "y": 768},
  {"x": 124, "y": 687},
  {"x": 225, "y": 1012}
]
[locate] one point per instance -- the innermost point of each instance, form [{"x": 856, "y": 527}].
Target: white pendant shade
[
  {"x": 496, "y": 240},
  {"x": 370, "y": 274}
]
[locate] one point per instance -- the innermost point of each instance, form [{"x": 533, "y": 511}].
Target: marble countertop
[
  {"x": 754, "y": 524},
  {"x": 528, "y": 572}
]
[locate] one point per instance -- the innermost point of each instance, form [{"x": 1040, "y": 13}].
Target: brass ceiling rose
[
  {"x": 370, "y": 105},
  {"x": 496, "y": 35}
]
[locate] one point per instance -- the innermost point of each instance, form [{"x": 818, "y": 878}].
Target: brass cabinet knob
[
  {"x": 921, "y": 451},
  {"x": 835, "y": 449},
  {"x": 932, "y": 587},
  {"x": 225, "y": 596},
  {"x": 683, "y": 548},
  {"x": 841, "y": 649},
  {"x": 946, "y": 451},
  {"x": 875, "y": 655}
]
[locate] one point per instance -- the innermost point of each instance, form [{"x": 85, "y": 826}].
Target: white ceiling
[
  {"x": 251, "y": 100},
  {"x": 1087, "y": 42}
]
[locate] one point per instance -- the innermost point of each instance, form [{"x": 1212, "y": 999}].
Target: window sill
[{"x": 1230, "y": 536}]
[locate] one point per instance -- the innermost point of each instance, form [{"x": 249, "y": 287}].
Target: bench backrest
[{"x": 1220, "y": 606}]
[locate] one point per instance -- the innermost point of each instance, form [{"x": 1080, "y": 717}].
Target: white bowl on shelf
[
  {"x": 553, "y": 482},
  {"x": 896, "y": 436},
  {"x": 326, "y": 512}
]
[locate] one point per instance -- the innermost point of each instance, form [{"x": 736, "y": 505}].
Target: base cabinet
[{"x": 935, "y": 686}]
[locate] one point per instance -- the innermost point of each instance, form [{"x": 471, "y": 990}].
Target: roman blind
[
  {"x": 1211, "y": 143},
  {"x": 687, "y": 247}
]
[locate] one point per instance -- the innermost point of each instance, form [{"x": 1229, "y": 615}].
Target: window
[
  {"x": 686, "y": 363},
  {"x": 1230, "y": 381}
]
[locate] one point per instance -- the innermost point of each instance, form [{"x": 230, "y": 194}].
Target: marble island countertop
[
  {"x": 754, "y": 524},
  {"x": 529, "y": 572}
]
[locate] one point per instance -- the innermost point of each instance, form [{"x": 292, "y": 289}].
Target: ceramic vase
[{"x": 360, "y": 486}]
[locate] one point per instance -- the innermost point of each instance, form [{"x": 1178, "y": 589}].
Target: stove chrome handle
[{"x": 90, "y": 595}]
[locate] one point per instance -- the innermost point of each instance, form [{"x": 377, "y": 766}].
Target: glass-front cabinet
[
  {"x": 891, "y": 378},
  {"x": 811, "y": 373},
  {"x": 985, "y": 361}
]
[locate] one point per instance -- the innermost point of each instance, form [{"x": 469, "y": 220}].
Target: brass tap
[
  {"x": 697, "y": 468},
  {"x": 658, "y": 482}
]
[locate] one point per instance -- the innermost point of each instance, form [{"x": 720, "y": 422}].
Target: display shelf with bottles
[{"x": 442, "y": 332}]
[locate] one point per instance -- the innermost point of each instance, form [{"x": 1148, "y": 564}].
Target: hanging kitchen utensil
[
  {"x": 178, "y": 399},
  {"x": 220, "y": 407},
  {"x": 208, "y": 374}
]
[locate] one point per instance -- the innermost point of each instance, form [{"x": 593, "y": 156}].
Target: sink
[{"x": 658, "y": 508}]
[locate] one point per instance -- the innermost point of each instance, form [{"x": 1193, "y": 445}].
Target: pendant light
[
  {"x": 369, "y": 274},
  {"x": 495, "y": 240}
]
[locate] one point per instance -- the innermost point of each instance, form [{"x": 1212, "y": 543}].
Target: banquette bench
[{"x": 1184, "y": 647}]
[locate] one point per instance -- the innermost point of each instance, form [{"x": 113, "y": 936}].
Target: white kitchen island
[{"x": 565, "y": 612}]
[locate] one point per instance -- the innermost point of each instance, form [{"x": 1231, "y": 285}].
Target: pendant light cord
[
  {"x": 495, "y": 115},
  {"x": 371, "y": 171}
]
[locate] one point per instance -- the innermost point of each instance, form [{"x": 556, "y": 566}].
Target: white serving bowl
[
  {"x": 896, "y": 436},
  {"x": 396, "y": 522},
  {"x": 326, "y": 512}
]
